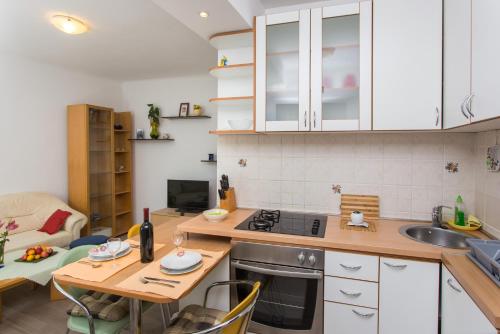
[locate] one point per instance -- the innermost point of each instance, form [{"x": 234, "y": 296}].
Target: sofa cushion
[
  {"x": 55, "y": 222},
  {"x": 33, "y": 238}
]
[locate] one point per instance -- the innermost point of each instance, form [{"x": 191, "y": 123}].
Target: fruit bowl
[
  {"x": 36, "y": 254},
  {"x": 215, "y": 215}
]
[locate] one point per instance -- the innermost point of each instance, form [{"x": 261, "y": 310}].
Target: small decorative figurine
[{"x": 223, "y": 61}]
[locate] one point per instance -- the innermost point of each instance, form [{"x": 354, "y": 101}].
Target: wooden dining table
[{"x": 162, "y": 234}]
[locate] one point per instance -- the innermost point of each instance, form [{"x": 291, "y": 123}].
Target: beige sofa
[{"x": 31, "y": 210}]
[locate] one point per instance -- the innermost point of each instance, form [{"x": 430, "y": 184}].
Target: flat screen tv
[{"x": 187, "y": 195}]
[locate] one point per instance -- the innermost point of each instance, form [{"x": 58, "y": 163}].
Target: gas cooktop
[{"x": 283, "y": 222}]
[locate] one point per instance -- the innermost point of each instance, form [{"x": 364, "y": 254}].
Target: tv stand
[{"x": 166, "y": 214}]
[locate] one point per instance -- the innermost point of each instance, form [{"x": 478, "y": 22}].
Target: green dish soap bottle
[{"x": 459, "y": 211}]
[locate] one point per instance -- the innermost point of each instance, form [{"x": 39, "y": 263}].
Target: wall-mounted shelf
[
  {"x": 232, "y": 101},
  {"x": 232, "y": 132},
  {"x": 232, "y": 39},
  {"x": 212, "y": 161},
  {"x": 147, "y": 139},
  {"x": 232, "y": 71},
  {"x": 186, "y": 117},
  {"x": 122, "y": 131}
]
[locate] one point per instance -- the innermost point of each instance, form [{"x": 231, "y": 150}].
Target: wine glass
[
  {"x": 178, "y": 238},
  {"x": 114, "y": 245}
]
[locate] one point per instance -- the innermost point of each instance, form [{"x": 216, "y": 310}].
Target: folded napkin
[{"x": 187, "y": 281}]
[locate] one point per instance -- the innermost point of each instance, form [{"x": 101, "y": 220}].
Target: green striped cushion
[{"x": 102, "y": 306}]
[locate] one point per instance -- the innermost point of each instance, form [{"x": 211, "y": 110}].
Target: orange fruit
[{"x": 30, "y": 258}]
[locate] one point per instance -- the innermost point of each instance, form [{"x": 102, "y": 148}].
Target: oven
[{"x": 291, "y": 297}]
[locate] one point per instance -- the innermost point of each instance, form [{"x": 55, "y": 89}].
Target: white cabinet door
[
  {"x": 409, "y": 297},
  {"x": 341, "y": 67},
  {"x": 459, "y": 314},
  {"x": 407, "y": 64},
  {"x": 282, "y": 75},
  {"x": 457, "y": 62},
  {"x": 485, "y": 59},
  {"x": 347, "y": 319}
]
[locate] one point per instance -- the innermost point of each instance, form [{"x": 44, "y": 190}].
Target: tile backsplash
[{"x": 299, "y": 172}]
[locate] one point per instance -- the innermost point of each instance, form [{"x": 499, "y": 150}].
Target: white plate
[
  {"x": 175, "y": 262},
  {"x": 181, "y": 272},
  {"x": 103, "y": 259},
  {"x": 106, "y": 254}
]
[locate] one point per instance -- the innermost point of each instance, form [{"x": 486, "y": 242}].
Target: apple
[
  {"x": 45, "y": 254},
  {"x": 24, "y": 257},
  {"x": 38, "y": 250}
]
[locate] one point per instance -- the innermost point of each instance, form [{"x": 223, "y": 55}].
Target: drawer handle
[
  {"x": 363, "y": 315},
  {"x": 350, "y": 294},
  {"x": 352, "y": 268},
  {"x": 449, "y": 281},
  {"x": 396, "y": 266}
]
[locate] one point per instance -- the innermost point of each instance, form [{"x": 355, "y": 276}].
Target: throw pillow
[
  {"x": 102, "y": 306},
  {"x": 55, "y": 222}
]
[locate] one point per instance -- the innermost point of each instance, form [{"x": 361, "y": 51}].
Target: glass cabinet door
[{"x": 337, "y": 67}]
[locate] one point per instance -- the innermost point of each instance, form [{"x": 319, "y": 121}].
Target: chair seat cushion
[
  {"x": 102, "y": 306},
  {"x": 89, "y": 240},
  {"x": 81, "y": 325},
  {"x": 195, "y": 318}
]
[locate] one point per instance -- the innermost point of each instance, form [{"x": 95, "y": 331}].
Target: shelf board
[
  {"x": 122, "y": 192},
  {"x": 212, "y": 161},
  {"x": 94, "y": 196},
  {"x": 124, "y": 212},
  {"x": 147, "y": 139},
  {"x": 122, "y": 151},
  {"x": 186, "y": 117},
  {"x": 232, "y": 71},
  {"x": 99, "y": 151},
  {"x": 232, "y": 132},
  {"x": 232, "y": 39},
  {"x": 233, "y": 101},
  {"x": 122, "y": 131}
]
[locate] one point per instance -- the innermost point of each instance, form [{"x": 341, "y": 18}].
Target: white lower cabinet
[
  {"x": 409, "y": 297},
  {"x": 347, "y": 319},
  {"x": 459, "y": 314},
  {"x": 348, "y": 291}
]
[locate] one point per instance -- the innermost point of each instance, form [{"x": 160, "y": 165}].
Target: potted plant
[
  {"x": 154, "y": 121},
  {"x": 10, "y": 226}
]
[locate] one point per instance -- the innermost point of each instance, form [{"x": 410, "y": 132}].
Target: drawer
[
  {"x": 348, "y": 291},
  {"x": 350, "y": 265},
  {"x": 346, "y": 319}
]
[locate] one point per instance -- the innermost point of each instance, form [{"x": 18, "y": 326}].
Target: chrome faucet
[{"x": 437, "y": 215}]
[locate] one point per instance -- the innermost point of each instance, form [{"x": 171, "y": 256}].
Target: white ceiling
[
  {"x": 128, "y": 39},
  {"x": 282, "y": 3}
]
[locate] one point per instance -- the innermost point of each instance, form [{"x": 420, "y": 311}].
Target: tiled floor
[{"x": 27, "y": 311}]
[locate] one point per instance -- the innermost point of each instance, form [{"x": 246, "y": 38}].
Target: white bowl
[
  {"x": 240, "y": 124},
  {"x": 176, "y": 262},
  {"x": 215, "y": 215}
]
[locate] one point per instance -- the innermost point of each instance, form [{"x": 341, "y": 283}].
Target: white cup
[{"x": 357, "y": 217}]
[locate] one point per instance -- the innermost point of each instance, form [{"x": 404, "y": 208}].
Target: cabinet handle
[
  {"x": 396, "y": 266},
  {"x": 468, "y": 105},
  {"x": 350, "y": 294},
  {"x": 437, "y": 116},
  {"x": 305, "y": 118},
  {"x": 462, "y": 106},
  {"x": 352, "y": 268},
  {"x": 449, "y": 281},
  {"x": 363, "y": 315}
]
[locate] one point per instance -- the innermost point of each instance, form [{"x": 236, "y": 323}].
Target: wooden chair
[{"x": 196, "y": 319}]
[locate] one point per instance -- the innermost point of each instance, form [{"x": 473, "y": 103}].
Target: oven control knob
[
  {"x": 312, "y": 260},
  {"x": 301, "y": 257}
]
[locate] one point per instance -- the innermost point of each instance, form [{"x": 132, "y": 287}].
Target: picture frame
[
  {"x": 184, "y": 109},
  {"x": 139, "y": 133}
]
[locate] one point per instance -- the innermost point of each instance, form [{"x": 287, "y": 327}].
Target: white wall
[
  {"x": 33, "y": 100},
  {"x": 155, "y": 162},
  {"x": 296, "y": 172}
]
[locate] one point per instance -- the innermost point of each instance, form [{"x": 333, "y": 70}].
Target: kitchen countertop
[
  {"x": 385, "y": 241},
  {"x": 480, "y": 288}
]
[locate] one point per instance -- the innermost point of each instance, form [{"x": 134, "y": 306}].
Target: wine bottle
[{"x": 147, "y": 239}]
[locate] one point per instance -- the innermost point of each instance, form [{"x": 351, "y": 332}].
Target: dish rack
[{"x": 486, "y": 255}]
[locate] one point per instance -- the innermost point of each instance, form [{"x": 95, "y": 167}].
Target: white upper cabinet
[
  {"x": 459, "y": 314},
  {"x": 457, "y": 63},
  {"x": 341, "y": 67},
  {"x": 485, "y": 102},
  {"x": 407, "y": 64},
  {"x": 313, "y": 69}
]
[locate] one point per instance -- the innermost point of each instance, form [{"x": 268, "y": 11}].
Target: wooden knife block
[{"x": 229, "y": 203}]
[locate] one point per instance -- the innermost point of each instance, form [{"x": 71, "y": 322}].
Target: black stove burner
[{"x": 276, "y": 221}]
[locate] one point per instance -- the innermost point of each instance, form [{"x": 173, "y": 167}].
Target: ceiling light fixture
[
  {"x": 69, "y": 25},
  {"x": 204, "y": 15}
]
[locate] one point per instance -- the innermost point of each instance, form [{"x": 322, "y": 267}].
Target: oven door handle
[{"x": 295, "y": 274}]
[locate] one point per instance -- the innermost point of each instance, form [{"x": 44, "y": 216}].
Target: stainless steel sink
[{"x": 435, "y": 236}]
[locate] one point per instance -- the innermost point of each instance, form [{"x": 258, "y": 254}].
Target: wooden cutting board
[{"x": 367, "y": 204}]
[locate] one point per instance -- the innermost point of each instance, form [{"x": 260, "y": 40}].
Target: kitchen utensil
[
  {"x": 472, "y": 224},
  {"x": 229, "y": 200},
  {"x": 207, "y": 256},
  {"x": 147, "y": 281},
  {"x": 171, "y": 281},
  {"x": 93, "y": 265},
  {"x": 176, "y": 262},
  {"x": 215, "y": 215},
  {"x": 240, "y": 124}
]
